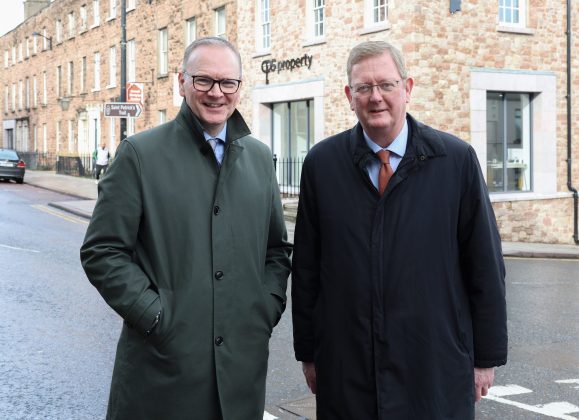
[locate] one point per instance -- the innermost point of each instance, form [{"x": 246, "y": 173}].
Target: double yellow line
[{"x": 60, "y": 214}]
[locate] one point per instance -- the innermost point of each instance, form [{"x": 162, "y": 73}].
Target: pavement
[{"x": 83, "y": 193}]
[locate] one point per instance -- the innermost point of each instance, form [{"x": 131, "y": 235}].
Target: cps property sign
[{"x": 122, "y": 109}]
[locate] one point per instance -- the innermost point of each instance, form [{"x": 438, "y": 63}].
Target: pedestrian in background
[
  {"x": 188, "y": 245},
  {"x": 398, "y": 290},
  {"x": 101, "y": 157}
]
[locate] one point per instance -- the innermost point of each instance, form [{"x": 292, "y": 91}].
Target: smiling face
[
  {"x": 381, "y": 114},
  {"x": 213, "y": 108}
]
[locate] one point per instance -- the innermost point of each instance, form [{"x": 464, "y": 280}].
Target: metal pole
[{"x": 123, "y": 64}]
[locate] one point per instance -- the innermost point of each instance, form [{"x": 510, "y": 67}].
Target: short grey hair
[
  {"x": 374, "y": 48},
  {"x": 213, "y": 41}
]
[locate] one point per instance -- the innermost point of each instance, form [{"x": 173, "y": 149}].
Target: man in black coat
[{"x": 398, "y": 283}]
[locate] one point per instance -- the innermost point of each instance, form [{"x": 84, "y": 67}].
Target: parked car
[{"x": 11, "y": 166}]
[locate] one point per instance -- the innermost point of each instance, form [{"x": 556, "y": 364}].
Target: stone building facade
[{"x": 491, "y": 72}]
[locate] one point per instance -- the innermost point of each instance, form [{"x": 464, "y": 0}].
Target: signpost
[
  {"x": 122, "y": 109},
  {"x": 135, "y": 92}
]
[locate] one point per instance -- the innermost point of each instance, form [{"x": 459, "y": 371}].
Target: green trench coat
[{"x": 208, "y": 246}]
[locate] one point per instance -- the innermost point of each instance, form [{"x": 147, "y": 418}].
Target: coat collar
[
  {"x": 423, "y": 142},
  {"x": 236, "y": 126}
]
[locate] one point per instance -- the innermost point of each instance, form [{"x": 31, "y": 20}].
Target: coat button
[
  {"x": 216, "y": 210},
  {"x": 219, "y": 275},
  {"x": 219, "y": 341}
]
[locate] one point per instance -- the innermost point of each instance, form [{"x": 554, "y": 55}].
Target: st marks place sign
[{"x": 277, "y": 66}]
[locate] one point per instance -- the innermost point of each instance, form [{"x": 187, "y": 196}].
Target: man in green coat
[{"x": 188, "y": 245}]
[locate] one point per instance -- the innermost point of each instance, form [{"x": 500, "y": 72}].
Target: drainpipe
[{"x": 569, "y": 134}]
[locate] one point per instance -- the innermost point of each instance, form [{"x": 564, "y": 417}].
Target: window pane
[{"x": 508, "y": 142}]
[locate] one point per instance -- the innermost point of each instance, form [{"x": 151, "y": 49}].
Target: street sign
[
  {"x": 135, "y": 92},
  {"x": 122, "y": 109}
]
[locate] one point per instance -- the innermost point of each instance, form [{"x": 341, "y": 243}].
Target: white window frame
[
  {"x": 131, "y": 61},
  {"x": 318, "y": 18},
  {"x": 97, "y": 71},
  {"x": 112, "y": 9},
  {"x": 44, "y": 138},
  {"x": 509, "y": 10},
  {"x": 44, "y": 40},
  {"x": 34, "y": 44},
  {"x": 70, "y": 135},
  {"x": 6, "y": 58},
  {"x": 163, "y": 49},
  {"x": 44, "y": 88},
  {"x": 131, "y": 5},
  {"x": 190, "y": 30},
  {"x": 27, "y": 47},
  {"x": 162, "y": 116},
  {"x": 96, "y": 13},
  {"x": 112, "y": 131},
  {"x": 220, "y": 18},
  {"x": 27, "y": 87},
  {"x": 83, "y": 18},
  {"x": 70, "y": 80},
  {"x": 71, "y": 25},
  {"x": 112, "y": 67},
  {"x": 58, "y": 25},
  {"x": 263, "y": 30},
  {"x": 130, "y": 126},
  {"x": 13, "y": 97},
  {"x": 82, "y": 73},
  {"x": 20, "y": 94},
  {"x": 20, "y": 52},
  {"x": 34, "y": 92},
  {"x": 6, "y": 98},
  {"x": 58, "y": 79},
  {"x": 13, "y": 54}
]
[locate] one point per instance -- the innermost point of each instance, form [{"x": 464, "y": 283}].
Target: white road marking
[
  {"x": 17, "y": 248},
  {"x": 547, "y": 409},
  {"x": 562, "y": 407},
  {"x": 267, "y": 416},
  {"x": 503, "y": 391},
  {"x": 569, "y": 381},
  {"x": 59, "y": 214}
]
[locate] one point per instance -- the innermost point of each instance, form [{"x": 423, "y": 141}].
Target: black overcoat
[{"x": 397, "y": 298}]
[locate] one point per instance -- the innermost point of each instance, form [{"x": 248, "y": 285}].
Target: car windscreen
[{"x": 8, "y": 155}]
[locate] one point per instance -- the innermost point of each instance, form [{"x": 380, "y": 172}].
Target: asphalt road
[{"x": 57, "y": 336}]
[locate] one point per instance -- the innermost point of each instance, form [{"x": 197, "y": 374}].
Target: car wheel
[{"x": 19, "y": 180}]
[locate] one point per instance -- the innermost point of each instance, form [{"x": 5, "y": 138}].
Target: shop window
[{"x": 509, "y": 142}]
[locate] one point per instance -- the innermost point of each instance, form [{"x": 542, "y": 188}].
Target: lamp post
[
  {"x": 123, "y": 65},
  {"x": 48, "y": 38}
]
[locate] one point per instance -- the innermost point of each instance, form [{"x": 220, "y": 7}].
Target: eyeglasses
[
  {"x": 205, "y": 84},
  {"x": 385, "y": 87}
]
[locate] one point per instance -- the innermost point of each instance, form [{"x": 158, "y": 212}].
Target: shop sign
[{"x": 275, "y": 66}]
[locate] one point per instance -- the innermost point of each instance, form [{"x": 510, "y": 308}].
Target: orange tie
[{"x": 385, "y": 170}]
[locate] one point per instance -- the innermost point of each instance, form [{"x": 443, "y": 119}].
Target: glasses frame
[
  {"x": 378, "y": 85},
  {"x": 214, "y": 81}
]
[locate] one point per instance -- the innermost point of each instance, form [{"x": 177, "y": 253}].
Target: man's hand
[
  {"x": 309, "y": 370},
  {"x": 483, "y": 380}
]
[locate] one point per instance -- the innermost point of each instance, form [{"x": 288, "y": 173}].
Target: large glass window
[
  {"x": 509, "y": 142},
  {"x": 292, "y": 135}
]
